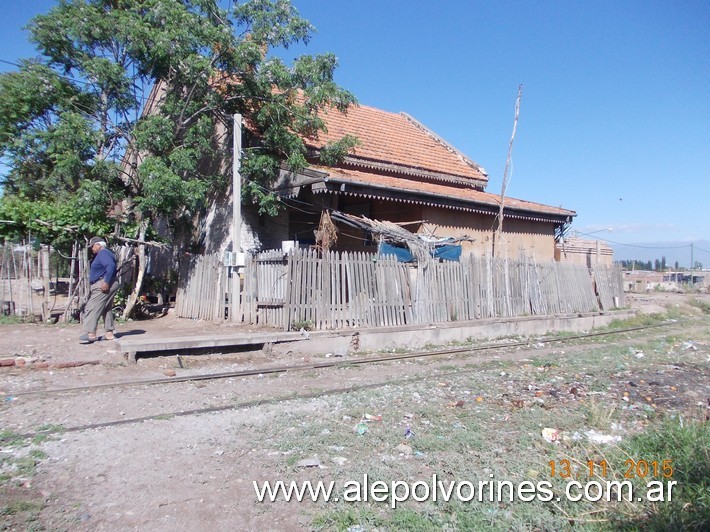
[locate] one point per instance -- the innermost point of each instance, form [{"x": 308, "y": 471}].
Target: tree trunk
[{"x": 142, "y": 263}]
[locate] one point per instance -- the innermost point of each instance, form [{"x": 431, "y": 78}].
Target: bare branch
[{"x": 153, "y": 243}]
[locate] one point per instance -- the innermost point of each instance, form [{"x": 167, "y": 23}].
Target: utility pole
[
  {"x": 237, "y": 188},
  {"x": 498, "y": 233},
  {"x": 692, "y": 264}
]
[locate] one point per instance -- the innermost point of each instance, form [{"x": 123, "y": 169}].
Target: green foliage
[
  {"x": 306, "y": 325},
  {"x": 686, "y": 444},
  {"x": 334, "y": 152},
  {"x": 702, "y": 305},
  {"x": 82, "y": 130},
  {"x": 9, "y": 438},
  {"x": 17, "y": 507}
]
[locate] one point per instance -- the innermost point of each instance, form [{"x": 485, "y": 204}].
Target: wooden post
[
  {"x": 237, "y": 187},
  {"x": 44, "y": 254},
  {"x": 498, "y": 234}
]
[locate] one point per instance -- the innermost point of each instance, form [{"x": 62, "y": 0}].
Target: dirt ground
[{"x": 184, "y": 455}]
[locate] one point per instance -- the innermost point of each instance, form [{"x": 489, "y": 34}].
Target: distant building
[
  {"x": 640, "y": 281},
  {"x": 575, "y": 250}
]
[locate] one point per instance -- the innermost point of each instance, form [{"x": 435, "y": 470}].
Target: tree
[{"x": 73, "y": 125}]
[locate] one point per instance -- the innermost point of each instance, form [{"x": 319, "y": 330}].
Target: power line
[{"x": 642, "y": 247}]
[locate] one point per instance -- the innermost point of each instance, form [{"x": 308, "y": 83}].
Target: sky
[{"x": 615, "y": 109}]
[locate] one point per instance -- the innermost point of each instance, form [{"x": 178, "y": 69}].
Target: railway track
[
  {"x": 325, "y": 364},
  {"x": 333, "y": 363}
]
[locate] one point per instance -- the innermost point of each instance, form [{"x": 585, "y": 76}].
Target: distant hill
[{"x": 672, "y": 251}]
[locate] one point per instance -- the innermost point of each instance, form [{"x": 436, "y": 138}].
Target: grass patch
[
  {"x": 17, "y": 507},
  {"x": 45, "y": 432},
  {"x": 702, "y": 305},
  {"x": 27, "y": 466},
  {"x": 641, "y": 320},
  {"x": 600, "y": 414},
  {"x": 13, "y": 320},
  {"x": 9, "y": 438},
  {"x": 686, "y": 444},
  {"x": 345, "y": 519}
]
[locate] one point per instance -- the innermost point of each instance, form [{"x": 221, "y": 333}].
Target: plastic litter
[
  {"x": 596, "y": 437},
  {"x": 361, "y": 428},
  {"x": 552, "y": 435},
  {"x": 409, "y": 433}
]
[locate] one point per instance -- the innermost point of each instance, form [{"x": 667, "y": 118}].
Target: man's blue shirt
[{"x": 103, "y": 267}]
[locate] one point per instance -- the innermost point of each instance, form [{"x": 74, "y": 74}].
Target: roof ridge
[{"x": 444, "y": 143}]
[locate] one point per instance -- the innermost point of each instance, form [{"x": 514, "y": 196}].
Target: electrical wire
[{"x": 638, "y": 245}]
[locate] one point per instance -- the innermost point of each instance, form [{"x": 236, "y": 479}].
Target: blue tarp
[
  {"x": 446, "y": 252},
  {"x": 402, "y": 254}
]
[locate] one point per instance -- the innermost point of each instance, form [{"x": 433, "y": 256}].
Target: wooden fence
[
  {"x": 30, "y": 290},
  {"x": 339, "y": 290}
]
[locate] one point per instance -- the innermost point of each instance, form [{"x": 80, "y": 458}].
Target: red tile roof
[
  {"x": 438, "y": 190},
  {"x": 397, "y": 139}
]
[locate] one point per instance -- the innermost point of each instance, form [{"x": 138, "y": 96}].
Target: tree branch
[{"x": 153, "y": 243}]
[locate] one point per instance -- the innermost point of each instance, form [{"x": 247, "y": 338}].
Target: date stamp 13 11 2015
[{"x": 631, "y": 469}]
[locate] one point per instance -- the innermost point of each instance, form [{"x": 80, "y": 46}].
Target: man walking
[{"x": 103, "y": 287}]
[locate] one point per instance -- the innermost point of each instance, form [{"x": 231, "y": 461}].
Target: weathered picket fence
[{"x": 338, "y": 290}]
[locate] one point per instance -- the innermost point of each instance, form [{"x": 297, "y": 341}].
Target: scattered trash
[
  {"x": 689, "y": 345},
  {"x": 340, "y": 460},
  {"x": 457, "y": 404},
  {"x": 404, "y": 449},
  {"x": 552, "y": 435},
  {"x": 169, "y": 373},
  {"x": 356, "y": 528},
  {"x": 409, "y": 433},
  {"x": 370, "y": 417},
  {"x": 636, "y": 352},
  {"x": 361, "y": 428},
  {"x": 596, "y": 437},
  {"x": 304, "y": 333},
  {"x": 556, "y": 436},
  {"x": 308, "y": 462},
  {"x": 10, "y": 398}
]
